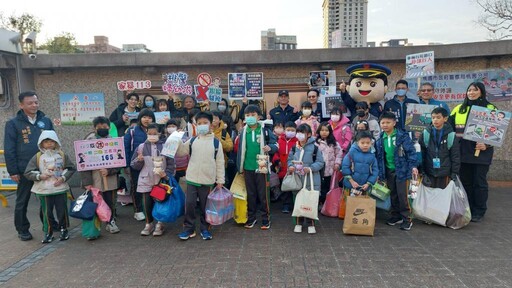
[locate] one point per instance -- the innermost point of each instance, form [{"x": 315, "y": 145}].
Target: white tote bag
[
  {"x": 433, "y": 204},
  {"x": 306, "y": 201}
]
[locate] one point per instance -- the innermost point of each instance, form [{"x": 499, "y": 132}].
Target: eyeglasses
[
  {"x": 313, "y": 96},
  {"x": 427, "y": 90}
]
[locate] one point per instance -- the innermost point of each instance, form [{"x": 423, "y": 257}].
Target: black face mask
[
  {"x": 360, "y": 113},
  {"x": 102, "y": 132}
]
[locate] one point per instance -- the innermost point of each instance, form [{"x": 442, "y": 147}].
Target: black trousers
[
  {"x": 399, "y": 198},
  {"x": 136, "y": 197},
  {"x": 194, "y": 192},
  {"x": 474, "y": 180},
  {"x": 257, "y": 196},
  {"x": 325, "y": 187},
  {"x": 58, "y": 202}
]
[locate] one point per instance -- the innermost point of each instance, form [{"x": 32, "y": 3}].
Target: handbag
[
  {"x": 433, "y": 204},
  {"x": 238, "y": 187},
  {"x": 343, "y": 204},
  {"x": 103, "y": 211},
  {"x": 160, "y": 192},
  {"x": 292, "y": 181},
  {"x": 219, "y": 206},
  {"x": 171, "y": 208},
  {"x": 241, "y": 213},
  {"x": 83, "y": 207},
  {"x": 380, "y": 191},
  {"x": 332, "y": 200},
  {"x": 306, "y": 201},
  {"x": 360, "y": 216}
]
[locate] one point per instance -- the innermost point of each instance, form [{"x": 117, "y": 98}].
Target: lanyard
[{"x": 437, "y": 140}]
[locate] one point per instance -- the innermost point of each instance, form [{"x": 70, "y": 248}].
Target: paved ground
[{"x": 479, "y": 255}]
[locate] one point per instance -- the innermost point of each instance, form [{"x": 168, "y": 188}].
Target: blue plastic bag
[
  {"x": 383, "y": 204},
  {"x": 173, "y": 207}
]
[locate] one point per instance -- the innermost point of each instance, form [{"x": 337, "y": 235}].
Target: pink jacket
[
  {"x": 343, "y": 133},
  {"x": 332, "y": 156},
  {"x": 311, "y": 121}
]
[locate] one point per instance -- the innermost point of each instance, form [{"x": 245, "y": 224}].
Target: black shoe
[
  {"x": 394, "y": 220},
  {"x": 286, "y": 209},
  {"x": 476, "y": 218},
  {"x": 406, "y": 225},
  {"x": 25, "y": 236},
  {"x": 64, "y": 234},
  {"x": 48, "y": 238}
]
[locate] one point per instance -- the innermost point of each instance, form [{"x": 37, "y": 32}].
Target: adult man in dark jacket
[
  {"x": 20, "y": 143},
  {"x": 398, "y": 105},
  {"x": 284, "y": 112}
]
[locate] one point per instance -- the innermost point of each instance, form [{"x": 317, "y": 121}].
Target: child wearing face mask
[
  {"x": 181, "y": 161},
  {"x": 149, "y": 102},
  {"x": 205, "y": 171},
  {"x": 142, "y": 160},
  {"x": 94, "y": 178},
  {"x": 285, "y": 142},
  {"x": 306, "y": 117},
  {"x": 340, "y": 125},
  {"x": 363, "y": 114},
  {"x": 331, "y": 151},
  {"x": 306, "y": 157}
]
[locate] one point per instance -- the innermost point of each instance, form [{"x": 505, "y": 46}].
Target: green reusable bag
[{"x": 91, "y": 228}]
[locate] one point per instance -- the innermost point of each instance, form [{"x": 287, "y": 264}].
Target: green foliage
[{"x": 65, "y": 42}]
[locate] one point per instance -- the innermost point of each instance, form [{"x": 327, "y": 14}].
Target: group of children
[{"x": 305, "y": 146}]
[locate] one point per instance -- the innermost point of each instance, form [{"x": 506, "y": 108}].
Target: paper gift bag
[
  {"x": 360, "y": 216},
  {"x": 238, "y": 187}
]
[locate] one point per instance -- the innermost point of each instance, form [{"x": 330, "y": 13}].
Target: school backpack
[
  {"x": 450, "y": 139},
  {"x": 216, "y": 144}
]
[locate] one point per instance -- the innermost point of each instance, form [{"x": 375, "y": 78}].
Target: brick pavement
[{"x": 480, "y": 255}]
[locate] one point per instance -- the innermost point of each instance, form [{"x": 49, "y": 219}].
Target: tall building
[
  {"x": 350, "y": 17},
  {"x": 100, "y": 46},
  {"x": 271, "y": 41}
]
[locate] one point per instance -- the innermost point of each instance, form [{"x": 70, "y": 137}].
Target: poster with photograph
[
  {"x": 487, "y": 126},
  {"x": 325, "y": 80},
  {"x": 331, "y": 101},
  {"x": 418, "y": 116},
  {"x": 248, "y": 85},
  {"x": 99, "y": 153}
]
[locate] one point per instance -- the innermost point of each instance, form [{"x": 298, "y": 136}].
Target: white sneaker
[
  {"x": 112, "y": 227},
  {"x": 148, "y": 229},
  {"x": 297, "y": 229},
  {"x": 139, "y": 216},
  {"x": 159, "y": 229},
  {"x": 311, "y": 230}
]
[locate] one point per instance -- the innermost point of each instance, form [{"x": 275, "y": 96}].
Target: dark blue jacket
[
  {"x": 20, "y": 142},
  {"x": 375, "y": 108},
  {"x": 364, "y": 170},
  {"x": 131, "y": 143},
  {"x": 280, "y": 115},
  {"x": 399, "y": 109},
  {"x": 403, "y": 163}
]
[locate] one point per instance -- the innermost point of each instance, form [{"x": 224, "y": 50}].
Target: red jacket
[{"x": 285, "y": 145}]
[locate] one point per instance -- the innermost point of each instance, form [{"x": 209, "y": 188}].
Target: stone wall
[{"x": 102, "y": 78}]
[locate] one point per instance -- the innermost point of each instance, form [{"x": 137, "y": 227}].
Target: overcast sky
[{"x": 222, "y": 25}]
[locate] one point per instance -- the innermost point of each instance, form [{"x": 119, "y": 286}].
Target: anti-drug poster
[
  {"x": 99, "y": 153},
  {"x": 81, "y": 108},
  {"x": 418, "y": 116},
  {"x": 248, "y": 85},
  {"x": 487, "y": 126}
]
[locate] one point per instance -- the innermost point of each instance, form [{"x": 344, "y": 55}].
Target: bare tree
[{"x": 497, "y": 18}]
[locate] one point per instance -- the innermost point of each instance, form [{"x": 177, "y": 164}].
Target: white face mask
[
  {"x": 306, "y": 112},
  {"x": 171, "y": 130},
  {"x": 203, "y": 129},
  {"x": 335, "y": 118},
  {"x": 300, "y": 136},
  {"x": 153, "y": 138}
]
